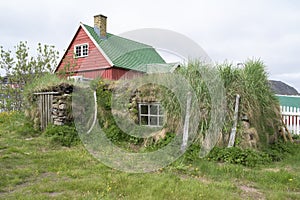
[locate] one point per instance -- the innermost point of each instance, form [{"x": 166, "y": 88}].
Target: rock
[
  {"x": 60, "y": 114},
  {"x": 58, "y": 123},
  {"x": 62, "y": 106}
]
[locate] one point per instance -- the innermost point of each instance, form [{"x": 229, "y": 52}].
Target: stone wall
[{"x": 61, "y": 108}]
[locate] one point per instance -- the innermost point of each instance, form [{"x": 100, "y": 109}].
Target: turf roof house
[{"x": 101, "y": 54}]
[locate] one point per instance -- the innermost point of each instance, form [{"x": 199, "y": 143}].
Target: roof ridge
[{"x": 124, "y": 38}]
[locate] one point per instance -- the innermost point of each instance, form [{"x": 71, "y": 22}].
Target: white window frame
[
  {"x": 81, "y": 50},
  {"x": 150, "y": 115}
]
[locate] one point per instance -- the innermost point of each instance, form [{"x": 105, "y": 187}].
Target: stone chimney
[{"x": 100, "y": 25}]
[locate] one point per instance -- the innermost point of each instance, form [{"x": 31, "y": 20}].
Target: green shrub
[
  {"x": 296, "y": 136},
  {"x": 280, "y": 150},
  {"x": 62, "y": 135},
  {"x": 192, "y": 153},
  {"x": 235, "y": 155},
  {"x": 248, "y": 157}
]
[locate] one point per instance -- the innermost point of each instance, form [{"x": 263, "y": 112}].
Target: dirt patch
[
  {"x": 198, "y": 178},
  {"x": 203, "y": 179},
  {"x": 286, "y": 168},
  {"x": 251, "y": 193},
  {"x": 271, "y": 169},
  {"x": 54, "y": 194}
]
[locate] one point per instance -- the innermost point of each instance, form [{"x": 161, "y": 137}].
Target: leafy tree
[{"x": 21, "y": 68}]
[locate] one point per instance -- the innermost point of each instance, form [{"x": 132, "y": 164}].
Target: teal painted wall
[{"x": 292, "y": 101}]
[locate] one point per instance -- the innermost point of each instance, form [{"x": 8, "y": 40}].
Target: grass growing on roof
[{"x": 258, "y": 101}]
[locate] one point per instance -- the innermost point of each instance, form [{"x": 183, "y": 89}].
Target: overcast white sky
[{"x": 232, "y": 30}]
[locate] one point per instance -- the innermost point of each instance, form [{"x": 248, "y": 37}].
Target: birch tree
[{"x": 20, "y": 69}]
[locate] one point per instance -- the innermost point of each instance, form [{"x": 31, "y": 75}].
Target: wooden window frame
[{"x": 159, "y": 114}]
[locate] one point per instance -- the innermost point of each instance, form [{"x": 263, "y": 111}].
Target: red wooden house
[{"x": 95, "y": 53}]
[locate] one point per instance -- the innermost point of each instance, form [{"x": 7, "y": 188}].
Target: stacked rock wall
[{"x": 61, "y": 109}]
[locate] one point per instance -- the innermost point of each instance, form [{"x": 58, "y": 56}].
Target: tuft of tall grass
[{"x": 258, "y": 102}]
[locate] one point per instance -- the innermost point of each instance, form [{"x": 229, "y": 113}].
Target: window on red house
[{"x": 81, "y": 50}]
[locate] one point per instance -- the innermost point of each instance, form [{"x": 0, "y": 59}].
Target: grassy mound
[{"x": 257, "y": 103}]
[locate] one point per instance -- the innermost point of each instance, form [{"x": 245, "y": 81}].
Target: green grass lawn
[{"x": 33, "y": 168}]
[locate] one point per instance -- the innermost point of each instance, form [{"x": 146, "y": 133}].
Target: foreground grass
[{"x": 33, "y": 168}]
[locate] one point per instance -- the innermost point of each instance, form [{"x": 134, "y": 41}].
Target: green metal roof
[
  {"x": 129, "y": 54},
  {"x": 161, "y": 68},
  {"x": 292, "y": 101}
]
